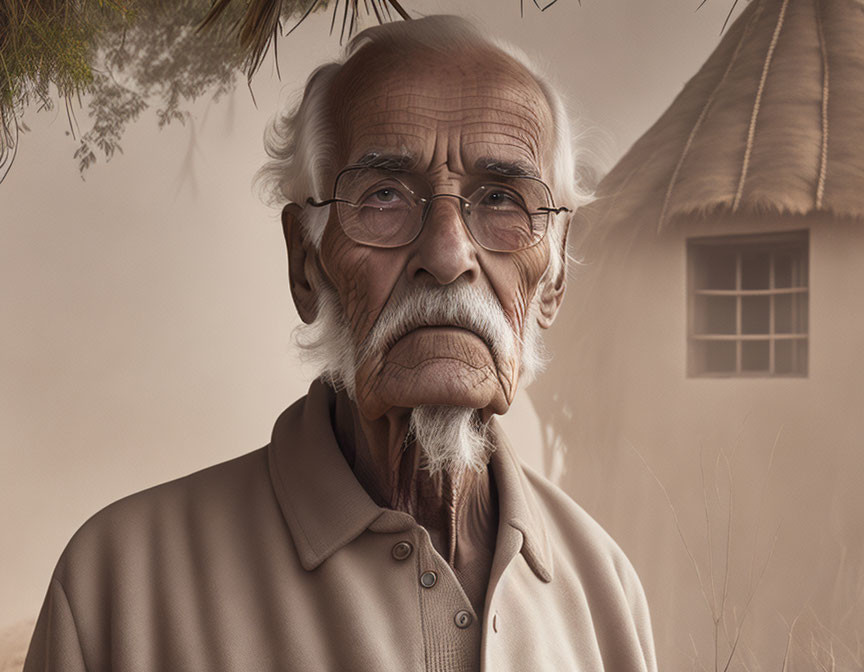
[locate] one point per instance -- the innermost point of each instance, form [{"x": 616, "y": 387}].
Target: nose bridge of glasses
[
  {"x": 457, "y": 215},
  {"x": 459, "y": 203}
]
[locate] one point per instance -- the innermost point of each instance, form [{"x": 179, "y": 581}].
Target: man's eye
[
  {"x": 386, "y": 197},
  {"x": 500, "y": 198}
]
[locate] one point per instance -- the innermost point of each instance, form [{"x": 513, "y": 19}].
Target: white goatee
[{"x": 452, "y": 439}]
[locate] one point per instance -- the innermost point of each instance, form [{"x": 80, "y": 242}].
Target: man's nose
[{"x": 445, "y": 248}]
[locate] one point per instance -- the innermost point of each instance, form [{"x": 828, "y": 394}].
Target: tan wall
[{"x": 626, "y": 386}]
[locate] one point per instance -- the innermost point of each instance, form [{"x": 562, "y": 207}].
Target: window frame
[{"x": 797, "y": 240}]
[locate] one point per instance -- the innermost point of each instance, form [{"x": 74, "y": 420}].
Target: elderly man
[{"x": 388, "y": 525}]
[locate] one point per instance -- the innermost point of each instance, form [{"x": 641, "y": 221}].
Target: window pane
[
  {"x": 755, "y": 314},
  {"x": 718, "y": 356},
  {"x": 790, "y": 314},
  {"x": 715, "y": 315},
  {"x": 754, "y": 355},
  {"x": 715, "y": 268},
  {"x": 802, "y": 322},
  {"x": 790, "y": 269},
  {"x": 755, "y": 269},
  {"x": 790, "y": 357},
  {"x": 783, "y": 270}
]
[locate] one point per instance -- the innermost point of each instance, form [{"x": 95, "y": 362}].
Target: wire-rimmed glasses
[{"x": 387, "y": 208}]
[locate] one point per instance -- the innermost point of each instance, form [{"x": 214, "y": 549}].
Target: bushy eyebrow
[
  {"x": 386, "y": 161},
  {"x": 506, "y": 168},
  {"x": 406, "y": 161}
]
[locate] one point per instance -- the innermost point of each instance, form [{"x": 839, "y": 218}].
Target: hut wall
[{"x": 657, "y": 456}]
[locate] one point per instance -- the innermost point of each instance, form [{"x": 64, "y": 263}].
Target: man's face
[{"x": 452, "y": 119}]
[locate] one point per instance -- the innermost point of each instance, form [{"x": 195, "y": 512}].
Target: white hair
[
  {"x": 301, "y": 141},
  {"x": 471, "y": 306},
  {"x": 327, "y": 344},
  {"x": 451, "y": 438}
]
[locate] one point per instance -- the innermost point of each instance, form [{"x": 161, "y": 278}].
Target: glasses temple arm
[{"x": 320, "y": 204}]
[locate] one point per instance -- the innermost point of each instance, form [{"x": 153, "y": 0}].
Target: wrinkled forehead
[{"x": 466, "y": 108}]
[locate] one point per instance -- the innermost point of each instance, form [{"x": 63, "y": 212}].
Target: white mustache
[{"x": 462, "y": 305}]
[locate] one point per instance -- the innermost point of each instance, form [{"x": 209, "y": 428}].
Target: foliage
[
  {"x": 122, "y": 57},
  {"x": 43, "y": 43},
  {"x": 155, "y": 57}
]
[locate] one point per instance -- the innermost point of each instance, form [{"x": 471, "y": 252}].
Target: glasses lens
[
  {"x": 509, "y": 217},
  {"x": 380, "y": 208}
]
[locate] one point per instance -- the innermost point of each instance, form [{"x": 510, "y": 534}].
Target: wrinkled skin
[{"x": 448, "y": 114}]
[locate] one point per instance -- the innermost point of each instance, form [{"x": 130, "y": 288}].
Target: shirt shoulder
[
  {"x": 578, "y": 539},
  {"x": 170, "y": 515},
  {"x": 585, "y": 554}
]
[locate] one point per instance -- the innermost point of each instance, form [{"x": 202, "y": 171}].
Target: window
[{"x": 748, "y": 303}]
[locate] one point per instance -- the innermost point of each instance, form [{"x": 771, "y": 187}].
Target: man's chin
[{"x": 434, "y": 366}]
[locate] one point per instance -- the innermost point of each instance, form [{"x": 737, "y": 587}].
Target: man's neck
[{"x": 459, "y": 511}]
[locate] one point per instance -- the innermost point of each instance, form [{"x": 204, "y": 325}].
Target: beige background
[{"x": 146, "y": 318}]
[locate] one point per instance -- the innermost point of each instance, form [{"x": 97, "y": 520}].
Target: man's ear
[
  {"x": 301, "y": 258},
  {"x": 552, "y": 290}
]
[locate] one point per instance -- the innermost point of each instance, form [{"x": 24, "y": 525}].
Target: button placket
[{"x": 447, "y": 617}]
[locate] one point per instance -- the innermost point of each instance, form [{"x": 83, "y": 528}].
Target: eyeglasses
[{"x": 386, "y": 208}]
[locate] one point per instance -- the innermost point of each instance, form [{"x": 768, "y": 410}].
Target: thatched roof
[{"x": 774, "y": 121}]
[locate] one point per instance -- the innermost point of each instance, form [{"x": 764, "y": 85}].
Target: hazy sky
[{"x": 146, "y": 313}]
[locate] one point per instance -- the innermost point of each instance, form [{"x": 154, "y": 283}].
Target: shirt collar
[
  {"x": 518, "y": 507},
  {"x": 326, "y": 508}
]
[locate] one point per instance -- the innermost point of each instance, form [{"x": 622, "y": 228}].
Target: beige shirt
[{"x": 279, "y": 560}]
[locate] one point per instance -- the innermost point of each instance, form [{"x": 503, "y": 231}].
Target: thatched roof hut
[
  {"x": 772, "y": 122},
  {"x": 717, "y": 320}
]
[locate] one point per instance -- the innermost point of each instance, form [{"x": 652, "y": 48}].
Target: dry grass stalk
[{"x": 728, "y": 623}]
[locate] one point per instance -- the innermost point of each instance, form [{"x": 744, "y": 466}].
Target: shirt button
[
  {"x": 462, "y": 619},
  {"x": 428, "y": 579},
  {"x": 402, "y": 550}
]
